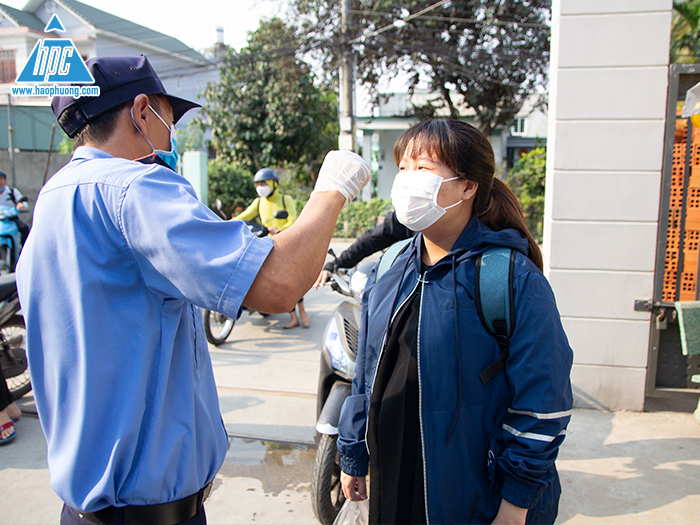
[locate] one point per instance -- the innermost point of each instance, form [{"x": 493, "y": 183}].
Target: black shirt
[{"x": 394, "y": 435}]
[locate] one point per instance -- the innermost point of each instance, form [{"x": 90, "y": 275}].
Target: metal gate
[{"x": 677, "y": 262}]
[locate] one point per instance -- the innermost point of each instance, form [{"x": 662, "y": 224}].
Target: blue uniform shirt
[{"x": 119, "y": 255}]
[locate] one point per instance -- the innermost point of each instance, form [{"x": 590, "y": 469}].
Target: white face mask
[
  {"x": 263, "y": 191},
  {"x": 414, "y": 195}
]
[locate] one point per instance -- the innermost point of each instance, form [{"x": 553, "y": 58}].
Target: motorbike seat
[{"x": 8, "y": 285}]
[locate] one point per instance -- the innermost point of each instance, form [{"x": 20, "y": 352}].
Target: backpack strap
[
  {"x": 494, "y": 302},
  {"x": 390, "y": 255}
]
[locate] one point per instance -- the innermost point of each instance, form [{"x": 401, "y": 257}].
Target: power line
[
  {"x": 455, "y": 19},
  {"x": 398, "y": 23}
]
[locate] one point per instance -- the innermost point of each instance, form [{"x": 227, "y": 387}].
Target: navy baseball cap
[{"x": 120, "y": 79}]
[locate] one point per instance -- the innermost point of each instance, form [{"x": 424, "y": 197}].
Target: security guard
[{"x": 121, "y": 258}]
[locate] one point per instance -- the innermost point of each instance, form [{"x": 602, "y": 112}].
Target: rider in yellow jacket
[{"x": 263, "y": 208}]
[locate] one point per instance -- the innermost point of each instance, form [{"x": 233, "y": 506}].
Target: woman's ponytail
[{"x": 503, "y": 211}]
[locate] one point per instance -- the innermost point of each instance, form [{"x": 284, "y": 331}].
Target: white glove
[{"x": 343, "y": 171}]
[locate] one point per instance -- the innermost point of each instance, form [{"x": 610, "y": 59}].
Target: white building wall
[
  {"x": 609, "y": 78},
  {"x": 181, "y": 78}
]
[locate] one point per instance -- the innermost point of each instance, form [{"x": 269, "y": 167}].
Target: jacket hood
[{"x": 476, "y": 238}]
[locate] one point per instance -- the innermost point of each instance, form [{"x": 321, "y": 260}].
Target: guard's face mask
[{"x": 168, "y": 157}]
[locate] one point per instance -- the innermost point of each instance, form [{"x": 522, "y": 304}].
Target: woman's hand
[
  {"x": 354, "y": 488},
  {"x": 508, "y": 514},
  {"x": 322, "y": 279}
]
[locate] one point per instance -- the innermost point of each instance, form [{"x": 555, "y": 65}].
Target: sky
[{"x": 192, "y": 22}]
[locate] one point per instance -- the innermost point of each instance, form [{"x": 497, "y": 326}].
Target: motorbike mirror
[
  {"x": 23, "y": 199},
  {"x": 218, "y": 204},
  {"x": 331, "y": 253},
  {"x": 281, "y": 214}
]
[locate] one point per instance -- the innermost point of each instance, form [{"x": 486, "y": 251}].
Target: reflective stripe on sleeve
[
  {"x": 537, "y": 415},
  {"x": 532, "y": 435}
]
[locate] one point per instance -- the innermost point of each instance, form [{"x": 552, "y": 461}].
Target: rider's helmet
[{"x": 266, "y": 174}]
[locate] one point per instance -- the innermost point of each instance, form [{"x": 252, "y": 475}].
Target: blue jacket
[{"x": 481, "y": 442}]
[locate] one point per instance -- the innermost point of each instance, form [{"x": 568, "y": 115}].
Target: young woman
[{"x": 443, "y": 446}]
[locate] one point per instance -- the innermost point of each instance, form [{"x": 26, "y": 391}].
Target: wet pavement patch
[{"x": 277, "y": 465}]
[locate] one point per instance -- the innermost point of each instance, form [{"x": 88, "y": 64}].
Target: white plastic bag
[
  {"x": 353, "y": 513},
  {"x": 691, "y": 107}
]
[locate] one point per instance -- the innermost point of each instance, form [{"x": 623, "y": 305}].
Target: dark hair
[
  {"x": 467, "y": 152},
  {"x": 99, "y": 129}
]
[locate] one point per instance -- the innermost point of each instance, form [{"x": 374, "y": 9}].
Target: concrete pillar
[
  {"x": 608, "y": 89},
  {"x": 366, "y": 193},
  {"x": 194, "y": 169}
]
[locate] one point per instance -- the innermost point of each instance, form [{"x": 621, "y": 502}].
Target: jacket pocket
[{"x": 492, "y": 472}]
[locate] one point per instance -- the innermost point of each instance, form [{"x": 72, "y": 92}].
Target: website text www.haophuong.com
[{"x": 55, "y": 90}]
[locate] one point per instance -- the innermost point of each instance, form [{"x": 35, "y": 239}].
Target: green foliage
[
  {"x": 266, "y": 109},
  {"x": 485, "y": 55},
  {"x": 232, "y": 185},
  {"x": 685, "y": 32},
  {"x": 359, "y": 216},
  {"x": 190, "y": 139},
  {"x": 300, "y": 192},
  {"x": 526, "y": 179},
  {"x": 66, "y": 145}
]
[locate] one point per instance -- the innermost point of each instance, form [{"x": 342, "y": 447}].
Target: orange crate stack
[
  {"x": 675, "y": 211},
  {"x": 692, "y": 229}
]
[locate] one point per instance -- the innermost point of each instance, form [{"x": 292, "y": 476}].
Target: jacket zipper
[
  {"x": 381, "y": 352},
  {"x": 420, "y": 397}
]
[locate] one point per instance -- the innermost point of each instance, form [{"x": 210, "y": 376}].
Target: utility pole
[
  {"x": 346, "y": 139},
  {"x": 10, "y": 146}
]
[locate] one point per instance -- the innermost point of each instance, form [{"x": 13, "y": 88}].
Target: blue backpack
[{"x": 494, "y": 296}]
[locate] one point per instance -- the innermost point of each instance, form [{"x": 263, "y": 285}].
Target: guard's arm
[{"x": 299, "y": 252}]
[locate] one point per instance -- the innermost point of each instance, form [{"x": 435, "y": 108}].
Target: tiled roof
[
  {"x": 22, "y": 18},
  {"x": 114, "y": 24}
]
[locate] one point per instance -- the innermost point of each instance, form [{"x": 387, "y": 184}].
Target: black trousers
[
  {"x": 5, "y": 395},
  {"x": 23, "y": 230},
  {"x": 70, "y": 517},
  {"x": 298, "y": 302}
]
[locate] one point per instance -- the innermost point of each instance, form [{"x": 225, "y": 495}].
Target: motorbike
[
  {"x": 13, "y": 336},
  {"x": 217, "y": 326},
  {"x": 338, "y": 354},
  {"x": 9, "y": 238}
]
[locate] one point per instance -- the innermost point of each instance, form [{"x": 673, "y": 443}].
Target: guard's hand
[
  {"x": 354, "y": 488},
  {"x": 322, "y": 279},
  {"x": 345, "y": 172}
]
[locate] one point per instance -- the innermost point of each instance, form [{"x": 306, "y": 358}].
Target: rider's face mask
[
  {"x": 169, "y": 157},
  {"x": 263, "y": 191},
  {"x": 414, "y": 195}
]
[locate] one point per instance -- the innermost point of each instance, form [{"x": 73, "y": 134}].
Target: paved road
[{"x": 616, "y": 468}]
